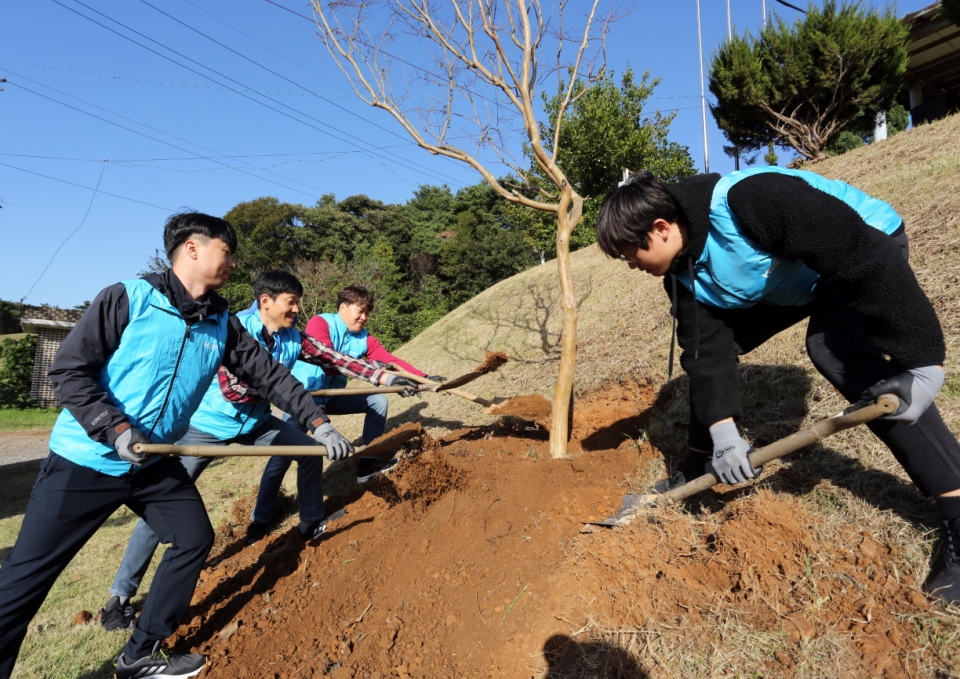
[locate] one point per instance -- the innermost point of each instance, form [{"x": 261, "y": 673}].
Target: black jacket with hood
[{"x": 788, "y": 218}]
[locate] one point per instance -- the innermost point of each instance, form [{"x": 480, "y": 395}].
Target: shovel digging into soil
[
  {"x": 859, "y": 413},
  {"x": 491, "y": 363}
]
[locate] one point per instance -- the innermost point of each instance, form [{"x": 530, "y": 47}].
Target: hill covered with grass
[{"x": 623, "y": 320}]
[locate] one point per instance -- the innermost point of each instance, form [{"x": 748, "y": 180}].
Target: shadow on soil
[{"x": 568, "y": 659}]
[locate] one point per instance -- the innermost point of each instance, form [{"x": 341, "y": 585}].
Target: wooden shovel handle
[
  {"x": 385, "y": 443},
  {"x": 851, "y": 417},
  {"x": 438, "y": 386}
]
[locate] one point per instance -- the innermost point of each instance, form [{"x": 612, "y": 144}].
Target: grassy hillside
[{"x": 623, "y": 328}]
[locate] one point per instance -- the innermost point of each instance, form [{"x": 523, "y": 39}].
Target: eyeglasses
[{"x": 622, "y": 258}]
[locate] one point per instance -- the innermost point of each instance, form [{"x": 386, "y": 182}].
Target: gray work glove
[
  {"x": 328, "y": 437},
  {"x": 916, "y": 388},
  {"x": 124, "y": 445},
  {"x": 436, "y": 378},
  {"x": 397, "y": 381},
  {"x": 730, "y": 461}
]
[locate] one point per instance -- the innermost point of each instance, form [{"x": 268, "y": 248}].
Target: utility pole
[
  {"x": 703, "y": 96},
  {"x": 736, "y": 148},
  {"x": 763, "y": 11}
]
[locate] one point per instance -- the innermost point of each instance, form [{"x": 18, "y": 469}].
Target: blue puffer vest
[
  {"x": 156, "y": 377},
  {"x": 732, "y": 272},
  {"x": 352, "y": 344},
  {"x": 225, "y": 419}
]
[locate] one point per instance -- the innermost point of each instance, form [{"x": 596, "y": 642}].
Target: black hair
[
  {"x": 276, "y": 282},
  {"x": 629, "y": 211},
  {"x": 180, "y": 227},
  {"x": 355, "y": 294}
]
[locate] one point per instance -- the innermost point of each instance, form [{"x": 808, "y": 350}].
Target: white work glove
[
  {"x": 328, "y": 437},
  {"x": 730, "y": 461},
  {"x": 124, "y": 445},
  {"x": 916, "y": 388}
]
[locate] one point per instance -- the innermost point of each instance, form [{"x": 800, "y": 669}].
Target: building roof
[{"x": 934, "y": 47}]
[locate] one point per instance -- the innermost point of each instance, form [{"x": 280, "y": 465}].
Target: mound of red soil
[{"x": 467, "y": 562}]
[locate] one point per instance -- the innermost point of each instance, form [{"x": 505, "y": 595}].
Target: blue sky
[{"x": 155, "y": 119}]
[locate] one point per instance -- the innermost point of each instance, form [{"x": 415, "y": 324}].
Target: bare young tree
[{"x": 487, "y": 60}]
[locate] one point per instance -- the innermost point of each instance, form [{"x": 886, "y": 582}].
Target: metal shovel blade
[{"x": 628, "y": 510}]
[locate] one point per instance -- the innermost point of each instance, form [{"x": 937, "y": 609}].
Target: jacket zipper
[{"x": 173, "y": 378}]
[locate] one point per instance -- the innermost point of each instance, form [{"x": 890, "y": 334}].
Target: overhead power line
[
  {"x": 160, "y": 160},
  {"x": 86, "y": 214},
  {"x": 81, "y": 186},
  {"x": 362, "y": 145},
  {"x": 145, "y": 135}
]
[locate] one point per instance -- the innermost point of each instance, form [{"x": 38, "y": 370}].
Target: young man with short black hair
[
  {"x": 760, "y": 250},
  {"x": 134, "y": 370}
]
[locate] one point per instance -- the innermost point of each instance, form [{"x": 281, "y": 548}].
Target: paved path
[{"x": 24, "y": 445}]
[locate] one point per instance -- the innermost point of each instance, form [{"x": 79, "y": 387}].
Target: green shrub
[{"x": 16, "y": 372}]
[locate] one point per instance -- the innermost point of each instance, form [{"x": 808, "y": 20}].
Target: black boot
[
  {"x": 944, "y": 580},
  {"x": 693, "y": 467}
]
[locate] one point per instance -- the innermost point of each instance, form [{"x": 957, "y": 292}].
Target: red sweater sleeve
[
  {"x": 318, "y": 329},
  {"x": 377, "y": 352}
]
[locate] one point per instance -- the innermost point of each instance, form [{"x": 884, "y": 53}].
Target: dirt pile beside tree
[{"x": 467, "y": 561}]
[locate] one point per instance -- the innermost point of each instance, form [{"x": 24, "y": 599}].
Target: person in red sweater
[{"x": 345, "y": 332}]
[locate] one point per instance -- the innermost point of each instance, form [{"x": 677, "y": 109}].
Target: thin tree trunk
[{"x": 568, "y": 216}]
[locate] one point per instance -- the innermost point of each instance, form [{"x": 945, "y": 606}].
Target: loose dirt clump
[{"x": 493, "y": 361}]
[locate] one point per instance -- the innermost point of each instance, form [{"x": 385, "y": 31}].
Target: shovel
[
  {"x": 441, "y": 387},
  {"x": 859, "y": 413},
  {"x": 381, "y": 445},
  {"x": 491, "y": 363}
]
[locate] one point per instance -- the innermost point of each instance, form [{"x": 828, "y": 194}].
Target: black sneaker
[
  {"x": 160, "y": 665},
  {"x": 256, "y": 531},
  {"x": 944, "y": 582},
  {"x": 117, "y": 615},
  {"x": 314, "y": 530},
  {"x": 369, "y": 467}
]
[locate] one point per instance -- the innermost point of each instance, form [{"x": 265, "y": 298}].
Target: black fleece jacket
[
  {"x": 788, "y": 218},
  {"x": 76, "y": 369}
]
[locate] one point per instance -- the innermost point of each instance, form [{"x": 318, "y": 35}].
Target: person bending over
[{"x": 748, "y": 255}]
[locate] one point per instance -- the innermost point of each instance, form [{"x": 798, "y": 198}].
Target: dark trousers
[
  {"x": 840, "y": 350},
  {"x": 68, "y": 504}
]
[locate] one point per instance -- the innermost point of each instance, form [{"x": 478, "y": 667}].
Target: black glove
[
  {"x": 730, "y": 461},
  {"x": 436, "y": 378},
  {"x": 328, "y": 437},
  {"x": 397, "y": 381},
  {"x": 124, "y": 445},
  {"x": 916, "y": 388}
]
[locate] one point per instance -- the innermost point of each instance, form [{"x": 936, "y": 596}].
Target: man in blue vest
[
  {"x": 233, "y": 412},
  {"x": 134, "y": 370},
  {"x": 760, "y": 250},
  {"x": 345, "y": 331}
]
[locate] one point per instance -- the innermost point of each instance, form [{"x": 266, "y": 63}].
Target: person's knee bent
[{"x": 378, "y": 403}]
